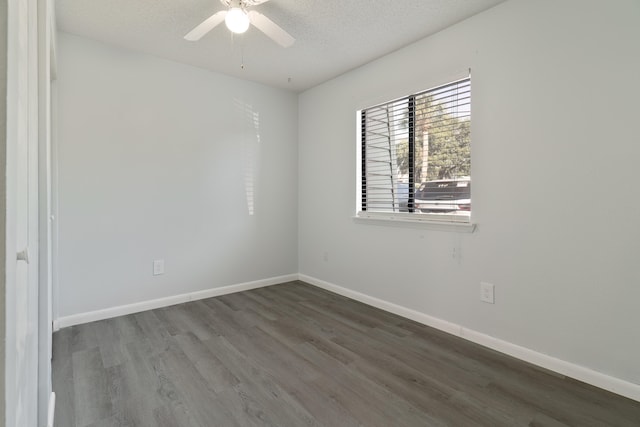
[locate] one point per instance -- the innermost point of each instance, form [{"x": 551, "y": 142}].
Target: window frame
[{"x": 439, "y": 221}]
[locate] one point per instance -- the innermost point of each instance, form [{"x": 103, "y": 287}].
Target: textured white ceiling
[{"x": 332, "y": 36}]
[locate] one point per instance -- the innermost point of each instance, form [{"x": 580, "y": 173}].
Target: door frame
[
  {"x": 22, "y": 216},
  {"x": 47, "y": 74}
]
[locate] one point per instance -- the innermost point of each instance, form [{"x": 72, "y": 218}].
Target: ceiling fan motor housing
[{"x": 238, "y": 19}]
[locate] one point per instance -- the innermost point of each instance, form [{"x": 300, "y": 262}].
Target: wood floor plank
[
  {"x": 155, "y": 332},
  {"x": 294, "y": 355},
  {"x": 193, "y": 391},
  {"x": 169, "y": 416},
  {"x": 244, "y": 303},
  {"x": 210, "y": 368},
  {"x": 321, "y": 406},
  {"x": 374, "y": 400},
  {"x": 112, "y": 354},
  {"x": 84, "y": 338},
  {"x": 91, "y": 385}
]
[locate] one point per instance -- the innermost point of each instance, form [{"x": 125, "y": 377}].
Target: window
[{"x": 416, "y": 155}]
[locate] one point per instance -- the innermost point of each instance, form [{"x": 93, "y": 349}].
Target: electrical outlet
[
  {"x": 325, "y": 256},
  {"x": 158, "y": 267},
  {"x": 487, "y": 292}
]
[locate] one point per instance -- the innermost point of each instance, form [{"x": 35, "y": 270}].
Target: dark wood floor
[{"x": 296, "y": 355}]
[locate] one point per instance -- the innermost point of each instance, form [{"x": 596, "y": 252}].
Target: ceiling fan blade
[
  {"x": 271, "y": 29},
  {"x": 243, "y": 2},
  {"x": 208, "y": 25},
  {"x": 254, "y": 2}
]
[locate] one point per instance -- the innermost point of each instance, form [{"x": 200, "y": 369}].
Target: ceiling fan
[{"x": 237, "y": 19}]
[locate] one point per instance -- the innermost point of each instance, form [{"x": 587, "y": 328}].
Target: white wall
[
  {"x": 163, "y": 160},
  {"x": 555, "y": 94}
]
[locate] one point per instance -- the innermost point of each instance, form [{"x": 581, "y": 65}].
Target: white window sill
[{"x": 462, "y": 225}]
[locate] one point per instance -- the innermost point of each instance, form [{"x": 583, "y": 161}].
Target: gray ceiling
[{"x": 332, "y": 36}]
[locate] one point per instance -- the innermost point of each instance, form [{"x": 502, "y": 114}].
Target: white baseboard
[
  {"x": 122, "y": 310},
  {"x": 581, "y": 373}
]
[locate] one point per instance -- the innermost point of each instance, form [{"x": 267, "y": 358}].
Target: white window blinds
[{"x": 416, "y": 153}]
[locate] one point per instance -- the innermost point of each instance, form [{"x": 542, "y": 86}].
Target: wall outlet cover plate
[{"x": 487, "y": 292}]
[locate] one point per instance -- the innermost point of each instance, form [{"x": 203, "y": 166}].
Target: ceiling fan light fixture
[{"x": 237, "y": 20}]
